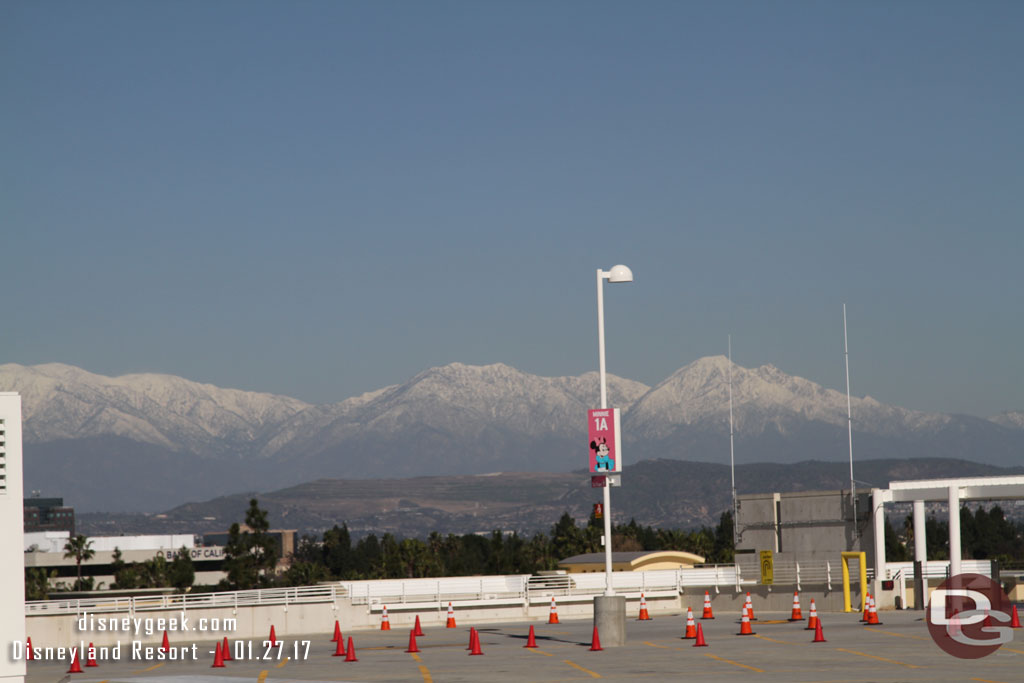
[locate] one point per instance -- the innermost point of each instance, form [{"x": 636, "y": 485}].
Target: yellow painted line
[
  {"x": 664, "y": 647},
  {"x": 426, "y": 674},
  {"x": 729, "y": 661},
  {"x": 881, "y": 659},
  {"x": 283, "y": 663},
  {"x": 540, "y": 652},
  {"x": 415, "y": 656},
  {"x": 1010, "y": 649},
  {"x": 262, "y": 676},
  {"x": 891, "y": 633},
  {"x": 772, "y": 621},
  {"x": 783, "y": 642},
  {"x": 155, "y": 666},
  {"x": 985, "y": 680},
  {"x": 593, "y": 674}
]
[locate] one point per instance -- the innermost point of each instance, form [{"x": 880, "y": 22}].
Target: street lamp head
[{"x": 620, "y": 273}]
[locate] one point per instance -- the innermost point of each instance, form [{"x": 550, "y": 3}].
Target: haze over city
[{"x": 320, "y": 199}]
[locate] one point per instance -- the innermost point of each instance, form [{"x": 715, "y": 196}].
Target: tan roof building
[{"x": 631, "y": 561}]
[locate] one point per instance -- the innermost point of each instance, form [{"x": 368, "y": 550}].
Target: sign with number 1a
[{"x": 605, "y": 440}]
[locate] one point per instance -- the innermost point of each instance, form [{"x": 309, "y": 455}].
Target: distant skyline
[{"x": 319, "y": 199}]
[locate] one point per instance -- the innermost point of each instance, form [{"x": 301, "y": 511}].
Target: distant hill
[
  {"x": 149, "y": 442},
  {"x": 660, "y": 493}
]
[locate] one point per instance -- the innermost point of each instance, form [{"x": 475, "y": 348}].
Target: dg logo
[{"x": 965, "y": 613}]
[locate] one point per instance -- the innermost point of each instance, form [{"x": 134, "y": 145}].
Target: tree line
[{"x": 250, "y": 556}]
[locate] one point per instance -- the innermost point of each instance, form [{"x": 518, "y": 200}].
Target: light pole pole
[{"x": 616, "y": 274}]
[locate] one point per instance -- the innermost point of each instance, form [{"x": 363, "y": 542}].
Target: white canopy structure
[{"x": 951, "y": 491}]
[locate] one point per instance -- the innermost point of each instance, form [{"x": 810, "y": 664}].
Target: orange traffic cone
[
  {"x": 1014, "y": 621},
  {"x": 76, "y": 666},
  {"x": 819, "y": 636},
  {"x": 339, "y": 648},
  {"x": 745, "y": 629},
  {"x": 166, "y": 644},
  {"x": 867, "y": 605},
  {"x": 385, "y": 625},
  {"x": 553, "y": 617},
  {"x": 700, "y": 637},
  {"x": 29, "y": 655},
  {"x": 90, "y": 657},
  {"x": 531, "y": 641},
  {"x": 273, "y": 637},
  {"x": 595, "y": 644},
  {"x": 472, "y": 637},
  {"x": 797, "y": 615},
  {"x": 226, "y": 651},
  {"x": 218, "y": 658},
  {"x": 812, "y": 621},
  {"x": 412, "y": 641},
  {"x": 750, "y": 608},
  {"x": 337, "y": 632},
  {"x": 451, "y": 617},
  {"x": 417, "y": 627},
  {"x": 350, "y": 656},
  {"x": 644, "y": 616},
  {"x": 708, "y": 614},
  {"x": 691, "y": 626},
  {"x": 873, "y": 615},
  {"x": 476, "y": 644}
]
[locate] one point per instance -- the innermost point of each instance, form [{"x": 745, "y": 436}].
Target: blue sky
[{"x": 322, "y": 198}]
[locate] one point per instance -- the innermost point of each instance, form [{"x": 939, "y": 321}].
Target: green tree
[
  {"x": 305, "y": 573},
  {"x": 337, "y": 552},
  {"x": 261, "y": 545},
  {"x": 182, "y": 573},
  {"x": 250, "y": 556},
  {"x": 80, "y": 548},
  {"x": 37, "y": 583}
]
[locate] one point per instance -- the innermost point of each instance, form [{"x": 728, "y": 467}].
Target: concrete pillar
[
  {"x": 954, "y": 530},
  {"x": 920, "y": 542},
  {"x": 878, "y": 514},
  {"x": 610, "y": 619}
]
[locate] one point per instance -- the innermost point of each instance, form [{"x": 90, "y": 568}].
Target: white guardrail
[
  {"x": 397, "y": 592},
  {"x": 482, "y": 590}
]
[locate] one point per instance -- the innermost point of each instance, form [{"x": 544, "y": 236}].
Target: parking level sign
[
  {"x": 605, "y": 440},
  {"x": 767, "y": 568}
]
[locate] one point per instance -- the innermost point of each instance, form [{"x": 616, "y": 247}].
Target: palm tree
[{"x": 80, "y": 548}]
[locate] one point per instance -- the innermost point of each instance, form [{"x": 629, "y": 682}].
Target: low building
[
  {"x": 45, "y": 550},
  {"x": 638, "y": 561}
]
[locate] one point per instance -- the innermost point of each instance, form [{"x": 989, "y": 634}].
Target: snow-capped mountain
[
  {"x": 151, "y": 441},
  {"x": 64, "y": 402}
]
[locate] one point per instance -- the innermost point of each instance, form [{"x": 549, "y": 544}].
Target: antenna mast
[
  {"x": 732, "y": 454},
  {"x": 849, "y": 420}
]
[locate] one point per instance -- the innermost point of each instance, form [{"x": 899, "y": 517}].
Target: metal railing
[{"x": 186, "y": 601}]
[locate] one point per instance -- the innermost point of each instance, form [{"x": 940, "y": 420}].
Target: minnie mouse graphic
[{"x": 604, "y": 462}]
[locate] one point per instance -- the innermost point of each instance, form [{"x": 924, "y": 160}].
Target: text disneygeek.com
[{"x": 150, "y": 625}]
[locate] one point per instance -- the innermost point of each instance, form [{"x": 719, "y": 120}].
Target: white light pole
[{"x": 616, "y": 274}]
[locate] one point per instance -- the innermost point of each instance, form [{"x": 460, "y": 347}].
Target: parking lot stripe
[
  {"x": 881, "y": 659},
  {"x": 155, "y": 666},
  {"x": 283, "y": 662},
  {"x": 898, "y": 635},
  {"x": 541, "y": 652},
  {"x": 426, "y": 674},
  {"x": 263, "y": 676},
  {"x": 586, "y": 671},
  {"x": 985, "y": 680},
  {"x": 784, "y": 642},
  {"x": 729, "y": 661}
]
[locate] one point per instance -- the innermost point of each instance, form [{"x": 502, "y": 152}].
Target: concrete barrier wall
[{"x": 314, "y": 619}]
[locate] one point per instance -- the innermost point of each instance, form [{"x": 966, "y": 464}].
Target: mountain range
[{"x": 147, "y": 442}]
